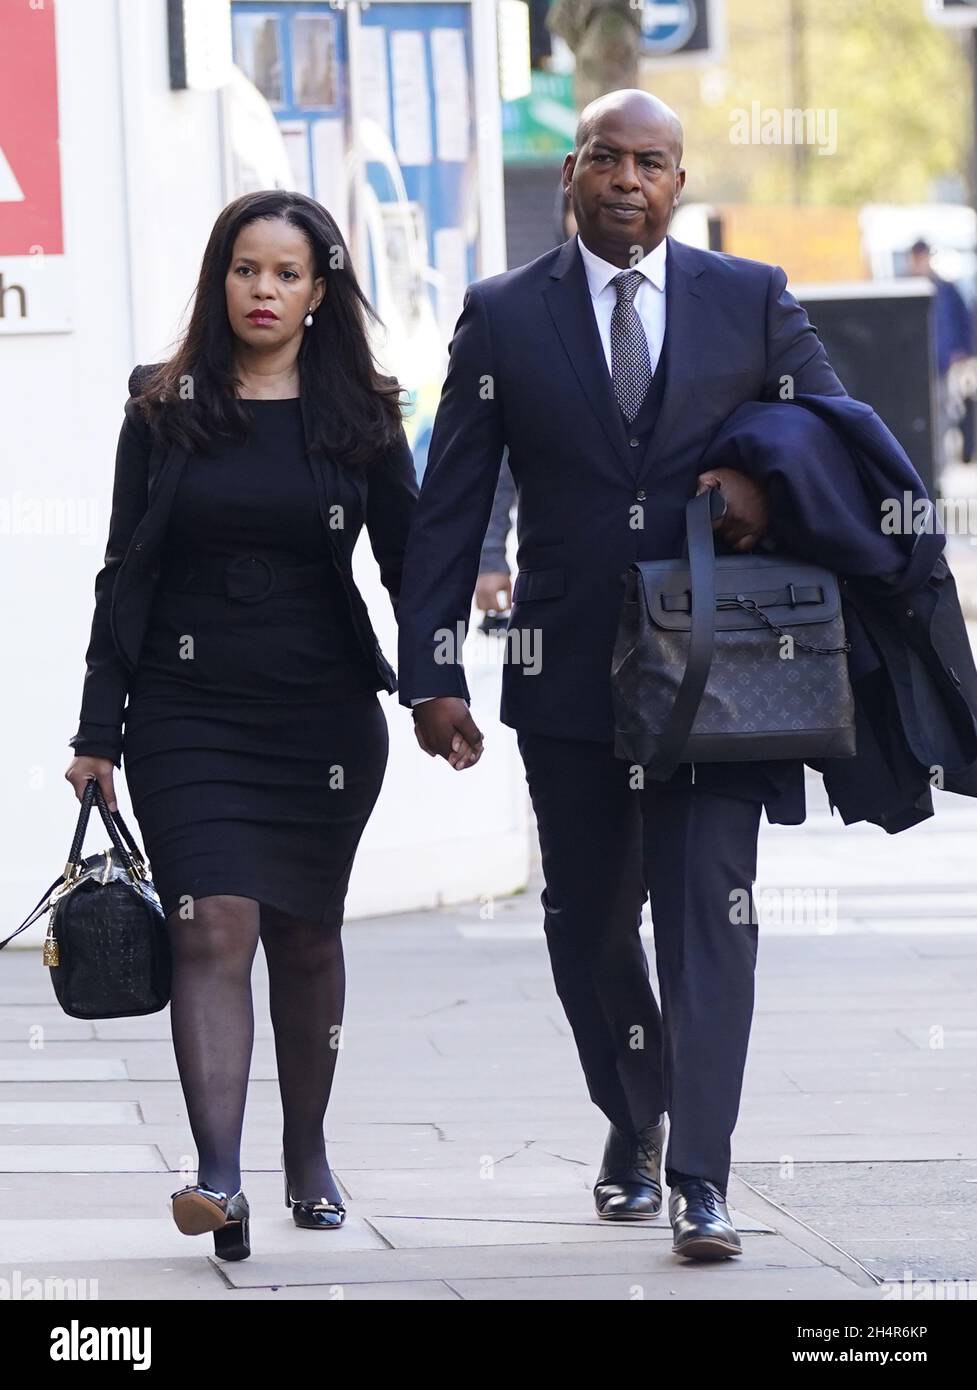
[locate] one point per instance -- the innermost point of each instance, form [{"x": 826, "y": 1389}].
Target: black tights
[{"x": 212, "y": 1019}]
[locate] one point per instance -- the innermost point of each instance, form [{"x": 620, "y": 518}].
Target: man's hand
[
  {"x": 444, "y": 726},
  {"x": 746, "y": 516},
  {"x": 487, "y": 590}
]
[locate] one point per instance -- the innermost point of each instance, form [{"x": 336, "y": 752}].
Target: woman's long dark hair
[{"x": 350, "y": 409}]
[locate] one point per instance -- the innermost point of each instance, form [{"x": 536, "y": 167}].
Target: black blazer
[{"x": 147, "y": 471}]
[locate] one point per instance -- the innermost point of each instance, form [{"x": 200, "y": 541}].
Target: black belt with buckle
[{"x": 247, "y": 578}]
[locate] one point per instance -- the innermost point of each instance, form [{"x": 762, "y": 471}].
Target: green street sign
[{"x": 540, "y": 126}]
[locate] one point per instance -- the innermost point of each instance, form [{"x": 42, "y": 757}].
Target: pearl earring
[{"x": 308, "y": 318}]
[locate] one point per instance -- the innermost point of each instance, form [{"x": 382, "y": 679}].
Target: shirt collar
[{"x": 600, "y": 273}]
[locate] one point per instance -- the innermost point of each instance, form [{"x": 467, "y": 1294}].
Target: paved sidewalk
[{"x": 462, "y": 1133}]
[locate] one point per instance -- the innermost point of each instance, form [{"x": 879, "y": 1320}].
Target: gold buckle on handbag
[{"x": 49, "y": 953}]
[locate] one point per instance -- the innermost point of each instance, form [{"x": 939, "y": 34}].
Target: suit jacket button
[
  {"x": 633, "y": 443},
  {"x": 640, "y": 496},
  {"x": 138, "y": 545}
]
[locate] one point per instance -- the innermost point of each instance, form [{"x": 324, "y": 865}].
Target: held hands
[
  {"x": 444, "y": 726},
  {"x": 81, "y": 769},
  {"x": 488, "y": 588},
  {"x": 746, "y": 518}
]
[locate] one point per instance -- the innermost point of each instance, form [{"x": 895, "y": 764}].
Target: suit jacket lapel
[
  {"x": 166, "y": 461},
  {"x": 683, "y": 305},
  {"x": 163, "y": 485},
  {"x": 567, "y": 297},
  {"x": 133, "y": 582}
]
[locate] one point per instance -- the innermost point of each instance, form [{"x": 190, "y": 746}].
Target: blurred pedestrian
[{"x": 954, "y": 342}]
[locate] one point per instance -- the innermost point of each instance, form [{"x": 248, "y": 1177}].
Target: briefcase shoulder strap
[{"x": 700, "y": 512}]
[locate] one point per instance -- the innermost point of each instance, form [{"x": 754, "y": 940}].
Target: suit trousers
[{"x": 606, "y": 845}]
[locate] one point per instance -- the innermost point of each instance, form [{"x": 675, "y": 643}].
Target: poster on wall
[
  {"x": 402, "y": 182},
  {"x": 34, "y": 286},
  {"x": 295, "y": 55},
  {"x": 415, "y": 134}
]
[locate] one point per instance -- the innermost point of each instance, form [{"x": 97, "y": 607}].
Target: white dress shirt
[
  {"x": 649, "y": 300},
  {"x": 649, "y": 303}
]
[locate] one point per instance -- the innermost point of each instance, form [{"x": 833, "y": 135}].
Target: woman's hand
[
  {"x": 487, "y": 589},
  {"x": 81, "y": 769}
]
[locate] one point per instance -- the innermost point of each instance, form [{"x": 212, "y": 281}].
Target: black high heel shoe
[
  {"x": 317, "y": 1214},
  {"x": 197, "y": 1209}
]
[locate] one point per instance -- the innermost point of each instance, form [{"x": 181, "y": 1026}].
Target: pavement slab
[{"x": 462, "y": 1136}]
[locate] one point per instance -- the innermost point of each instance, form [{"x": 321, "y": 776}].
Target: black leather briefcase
[{"x": 729, "y": 658}]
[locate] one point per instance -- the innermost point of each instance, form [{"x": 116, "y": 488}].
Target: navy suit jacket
[
  {"x": 147, "y": 472},
  {"x": 527, "y": 370}
]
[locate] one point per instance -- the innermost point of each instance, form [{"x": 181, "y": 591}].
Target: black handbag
[
  {"x": 107, "y": 944},
  {"x": 729, "y": 658}
]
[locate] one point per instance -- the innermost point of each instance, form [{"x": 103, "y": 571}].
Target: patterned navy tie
[{"x": 630, "y": 360}]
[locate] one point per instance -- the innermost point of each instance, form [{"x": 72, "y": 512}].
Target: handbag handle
[
  {"x": 93, "y": 792},
  {"x": 113, "y": 823},
  {"x": 134, "y": 863},
  {"x": 700, "y": 512}
]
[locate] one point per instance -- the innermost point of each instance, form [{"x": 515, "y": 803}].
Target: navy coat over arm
[{"x": 843, "y": 493}]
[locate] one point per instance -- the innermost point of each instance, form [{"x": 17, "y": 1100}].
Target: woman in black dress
[{"x": 254, "y": 742}]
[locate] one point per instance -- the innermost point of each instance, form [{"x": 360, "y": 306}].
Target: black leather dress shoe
[
  {"x": 628, "y": 1187},
  {"x": 197, "y": 1209},
  {"x": 316, "y": 1214},
  {"x": 701, "y": 1228}
]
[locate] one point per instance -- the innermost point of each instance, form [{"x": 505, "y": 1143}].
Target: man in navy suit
[{"x": 606, "y": 366}]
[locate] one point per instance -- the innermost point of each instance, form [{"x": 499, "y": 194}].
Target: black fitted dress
[{"x": 254, "y": 744}]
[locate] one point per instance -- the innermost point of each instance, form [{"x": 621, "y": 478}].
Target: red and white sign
[{"x": 33, "y": 274}]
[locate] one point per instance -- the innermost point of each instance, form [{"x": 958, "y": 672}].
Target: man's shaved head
[
  {"x": 625, "y": 176},
  {"x": 630, "y": 101}
]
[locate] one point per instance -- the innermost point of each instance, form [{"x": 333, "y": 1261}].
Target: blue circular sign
[{"x": 667, "y": 25}]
